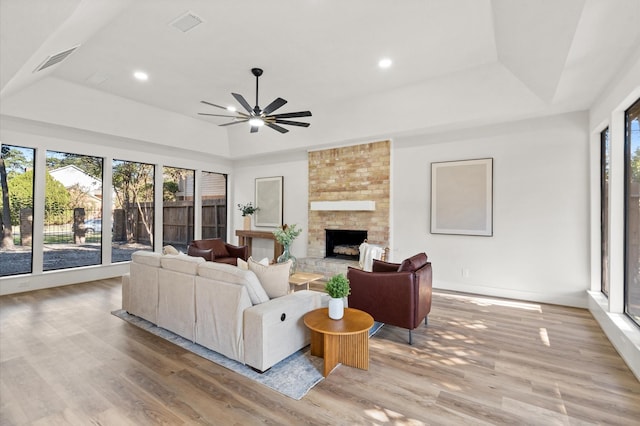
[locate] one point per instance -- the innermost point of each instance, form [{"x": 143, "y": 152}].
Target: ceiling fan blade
[
  {"x": 235, "y": 122},
  {"x": 292, "y": 114},
  {"x": 254, "y": 129},
  {"x": 218, "y": 115},
  {"x": 242, "y": 101},
  {"x": 209, "y": 103},
  {"x": 292, "y": 123},
  {"x": 276, "y": 127},
  {"x": 274, "y": 106}
]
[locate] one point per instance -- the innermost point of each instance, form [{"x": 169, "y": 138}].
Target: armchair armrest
[
  {"x": 238, "y": 251},
  {"x": 206, "y": 254}
]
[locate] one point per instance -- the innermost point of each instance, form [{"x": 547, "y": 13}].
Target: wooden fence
[{"x": 177, "y": 226}]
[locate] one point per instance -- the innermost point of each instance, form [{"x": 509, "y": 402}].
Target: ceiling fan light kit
[{"x": 257, "y": 117}]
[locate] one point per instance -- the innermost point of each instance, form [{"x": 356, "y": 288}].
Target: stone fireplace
[
  {"x": 343, "y": 243},
  {"x": 355, "y": 179}
]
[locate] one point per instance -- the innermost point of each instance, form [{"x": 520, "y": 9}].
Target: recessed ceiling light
[
  {"x": 141, "y": 75},
  {"x": 231, "y": 108},
  {"x": 385, "y": 63}
]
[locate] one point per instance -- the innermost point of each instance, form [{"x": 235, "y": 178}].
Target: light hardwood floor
[{"x": 65, "y": 360}]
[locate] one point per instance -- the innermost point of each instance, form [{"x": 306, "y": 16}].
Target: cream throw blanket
[{"x": 368, "y": 252}]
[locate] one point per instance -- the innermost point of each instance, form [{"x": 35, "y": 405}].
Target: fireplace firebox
[{"x": 344, "y": 243}]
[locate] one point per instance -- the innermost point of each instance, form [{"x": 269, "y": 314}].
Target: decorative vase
[
  {"x": 247, "y": 223},
  {"x": 336, "y": 308},
  {"x": 286, "y": 255}
]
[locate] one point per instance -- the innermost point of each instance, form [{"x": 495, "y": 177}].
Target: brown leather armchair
[
  {"x": 216, "y": 250},
  {"x": 397, "y": 294}
]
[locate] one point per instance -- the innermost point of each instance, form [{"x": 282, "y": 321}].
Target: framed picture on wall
[
  {"x": 269, "y": 201},
  {"x": 462, "y": 197}
]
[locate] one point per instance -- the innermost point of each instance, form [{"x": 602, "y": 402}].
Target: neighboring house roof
[{"x": 72, "y": 175}]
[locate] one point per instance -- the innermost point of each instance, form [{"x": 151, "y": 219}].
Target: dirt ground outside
[{"x": 61, "y": 256}]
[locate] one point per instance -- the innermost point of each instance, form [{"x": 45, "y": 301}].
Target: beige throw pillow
[
  {"x": 170, "y": 250},
  {"x": 245, "y": 266},
  {"x": 274, "y": 278}
]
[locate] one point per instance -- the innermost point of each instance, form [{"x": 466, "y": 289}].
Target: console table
[{"x": 245, "y": 238}]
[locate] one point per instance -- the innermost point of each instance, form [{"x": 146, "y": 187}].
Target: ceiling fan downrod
[{"x": 257, "y": 72}]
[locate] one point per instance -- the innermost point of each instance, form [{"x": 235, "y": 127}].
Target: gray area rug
[{"x": 293, "y": 376}]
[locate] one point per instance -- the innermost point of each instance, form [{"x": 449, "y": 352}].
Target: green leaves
[{"x": 287, "y": 234}]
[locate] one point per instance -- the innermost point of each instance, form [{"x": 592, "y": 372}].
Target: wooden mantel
[{"x": 246, "y": 238}]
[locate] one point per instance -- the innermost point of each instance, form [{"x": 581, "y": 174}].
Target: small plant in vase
[
  {"x": 285, "y": 236},
  {"x": 247, "y": 210},
  {"x": 337, "y": 288}
]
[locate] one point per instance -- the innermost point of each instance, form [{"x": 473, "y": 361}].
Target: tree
[
  {"x": 635, "y": 165},
  {"x": 169, "y": 189},
  {"x": 5, "y": 218},
  {"x": 56, "y": 200},
  {"x": 133, "y": 185}
]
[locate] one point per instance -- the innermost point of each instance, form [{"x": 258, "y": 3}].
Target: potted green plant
[
  {"x": 247, "y": 210},
  {"x": 337, "y": 288}
]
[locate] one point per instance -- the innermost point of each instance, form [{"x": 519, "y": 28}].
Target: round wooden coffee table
[{"x": 343, "y": 341}]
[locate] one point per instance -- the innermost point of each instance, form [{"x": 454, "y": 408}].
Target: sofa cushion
[
  {"x": 184, "y": 264},
  {"x": 413, "y": 263},
  {"x": 146, "y": 258},
  {"x": 274, "y": 278},
  {"x": 231, "y": 274}
]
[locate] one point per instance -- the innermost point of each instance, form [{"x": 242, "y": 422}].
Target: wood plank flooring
[{"x": 65, "y": 360}]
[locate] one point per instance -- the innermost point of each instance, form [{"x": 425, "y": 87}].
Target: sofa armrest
[
  {"x": 275, "y": 329},
  {"x": 206, "y": 254},
  {"x": 238, "y": 251}
]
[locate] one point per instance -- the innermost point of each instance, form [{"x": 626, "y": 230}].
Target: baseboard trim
[{"x": 576, "y": 300}]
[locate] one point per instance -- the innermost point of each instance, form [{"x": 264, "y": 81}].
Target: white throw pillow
[
  {"x": 274, "y": 278},
  {"x": 245, "y": 266}
]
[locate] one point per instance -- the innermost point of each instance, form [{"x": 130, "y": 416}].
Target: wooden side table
[
  {"x": 343, "y": 341},
  {"x": 245, "y": 238},
  {"x": 302, "y": 279}
]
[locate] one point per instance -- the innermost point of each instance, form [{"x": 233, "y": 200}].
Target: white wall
[
  {"x": 539, "y": 247},
  {"x": 294, "y": 168}
]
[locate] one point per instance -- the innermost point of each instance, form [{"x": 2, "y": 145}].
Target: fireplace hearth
[{"x": 344, "y": 243}]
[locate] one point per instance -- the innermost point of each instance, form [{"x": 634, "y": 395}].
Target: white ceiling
[{"x": 517, "y": 57}]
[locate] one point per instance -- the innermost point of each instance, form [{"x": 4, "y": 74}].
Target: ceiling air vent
[
  {"x": 54, "y": 59},
  {"x": 186, "y": 22}
]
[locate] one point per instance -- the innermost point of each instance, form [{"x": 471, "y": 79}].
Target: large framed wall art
[
  {"x": 462, "y": 197},
  {"x": 269, "y": 201}
]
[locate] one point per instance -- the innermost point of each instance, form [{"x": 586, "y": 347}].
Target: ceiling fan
[{"x": 258, "y": 117}]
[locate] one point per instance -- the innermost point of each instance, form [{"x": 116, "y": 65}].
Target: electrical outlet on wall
[{"x": 465, "y": 272}]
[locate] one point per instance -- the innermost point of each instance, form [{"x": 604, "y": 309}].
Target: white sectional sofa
[{"x": 216, "y": 305}]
